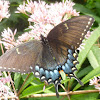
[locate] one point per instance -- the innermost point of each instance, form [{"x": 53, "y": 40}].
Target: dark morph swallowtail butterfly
[{"x": 47, "y": 57}]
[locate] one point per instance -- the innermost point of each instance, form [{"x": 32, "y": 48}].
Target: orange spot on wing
[
  {"x": 59, "y": 77},
  {"x": 66, "y": 74},
  {"x": 60, "y": 71}
]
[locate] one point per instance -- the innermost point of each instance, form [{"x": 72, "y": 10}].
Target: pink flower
[
  {"x": 4, "y": 89},
  {"x": 95, "y": 82},
  {"x": 24, "y": 37},
  {"x": 52, "y": 13},
  {"x": 97, "y": 86},
  {"x": 39, "y": 29},
  {"x": 8, "y": 38},
  {"x": 48, "y": 13},
  {"x": 4, "y": 13},
  {"x": 21, "y": 9},
  {"x": 30, "y": 6},
  {"x": 5, "y": 80},
  {"x": 44, "y": 16}
]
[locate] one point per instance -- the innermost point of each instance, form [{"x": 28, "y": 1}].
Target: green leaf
[
  {"x": 86, "y": 11},
  {"x": 17, "y": 78},
  {"x": 86, "y": 96},
  {"x": 34, "y": 90},
  {"x": 84, "y": 71},
  {"x": 88, "y": 45},
  {"x": 94, "y": 57},
  {"x": 82, "y": 9},
  {"x": 29, "y": 80}
]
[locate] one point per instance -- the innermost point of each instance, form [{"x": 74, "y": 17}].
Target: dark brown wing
[
  {"x": 26, "y": 56},
  {"x": 20, "y": 58},
  {"x": 69, "y": 34}
]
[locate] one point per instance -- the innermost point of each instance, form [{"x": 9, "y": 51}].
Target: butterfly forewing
[
  {"x": 68, "y": 34},
  {"x": 71, "y": 33},
  {"x": 20, "y": 58},
  {"x": 26, "y": 55}
]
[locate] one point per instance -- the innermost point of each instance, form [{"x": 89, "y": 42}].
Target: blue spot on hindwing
[
  {"x": 47, "y": 74},
  {"x": 70, "y": 51},
  {"x": 57, "y": 74},
  {"x": 41, "y": 72},
  {"x": 37, "y": 68},
  {"x": 68, "y": 68},
  {"x": 52, "y": 76},
  {"x": 71, "y": 57},
  {"x": 70, "y": 63}
]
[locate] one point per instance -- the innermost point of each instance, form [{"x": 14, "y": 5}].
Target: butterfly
[{"x": 47, "y": 57}]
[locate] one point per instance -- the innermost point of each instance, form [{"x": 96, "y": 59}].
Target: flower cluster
[
  {"x": 95, "y": 82},
  {"x": 4, "y": 13},
  {"x": 4, "y": 89},
  {"x": 8, "y": 38},
  {"x": 44, "y": 16}
]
